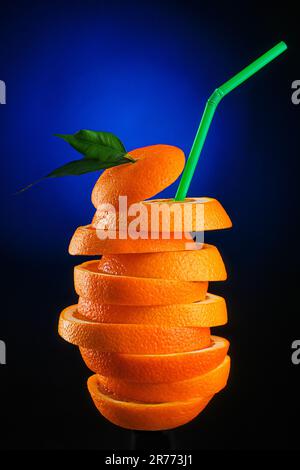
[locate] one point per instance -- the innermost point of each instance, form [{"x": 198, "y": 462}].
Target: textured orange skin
[
  {"x": 213, "y": 216},
  {"x": 157, "y": 368},
  {"x": 200, "y": 386},
  {"x": 206, "y": 313},
  {"x": 144, "y": 416},
  {"x": 127, "y": 290},
  {"x": 195, "y": 265},
  {"x": 156, "y": 168},
  {"x": 86, "y": 242},
  {"x": 129, "y": 339}
]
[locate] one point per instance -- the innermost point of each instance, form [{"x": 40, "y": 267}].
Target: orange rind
[
  {"x": 166, "y": 215},
  {"x": 200, "y": 386},
  {"x": 157, "y": 368},
  {"x": 130, "y": 338},
  {"x": 156, "y": 167},
  {"x": 130, "y": 290},
  {"x": 145, "y": 416},
  {"x": 90, "y": 242},
  {"x": 195, "y": 265},
  {"x": 206, "y": 313}
]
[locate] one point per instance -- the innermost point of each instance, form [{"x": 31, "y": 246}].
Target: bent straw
[{"x": 210, "y": 109}]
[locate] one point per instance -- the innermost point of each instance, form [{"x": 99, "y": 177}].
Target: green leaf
[
  {"x": 85, "y": 165},
  {"x": 78, "y": 167},
  {"x": 93, "y": 144},
  {"x": 100, "y": 149}
]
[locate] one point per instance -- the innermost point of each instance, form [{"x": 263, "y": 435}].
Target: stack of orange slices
[{"x": 143, "y": 318}]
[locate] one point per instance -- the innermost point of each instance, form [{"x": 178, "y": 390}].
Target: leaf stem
[{"x": 129, "y": 157}]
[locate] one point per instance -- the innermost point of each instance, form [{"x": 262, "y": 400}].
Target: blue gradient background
[
  {"x": 144, "y": 75},
  {"x": 144, "y": 70}
]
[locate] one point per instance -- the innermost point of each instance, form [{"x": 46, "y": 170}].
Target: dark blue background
[{"x": 144, "y": 70}]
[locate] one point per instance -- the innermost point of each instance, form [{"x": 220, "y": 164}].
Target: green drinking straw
[{"x": 210, "y": 109}]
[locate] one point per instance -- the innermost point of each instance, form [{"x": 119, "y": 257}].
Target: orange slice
[
  {"x": 129, "y": 339},
  {"x": 144, "y": 416},
  {"x": 201, "y": 386},
  {"x": 88, "y": 241},
  {"x": 167, "y": 215},
  {"x": 157, "y": 368},
  {"x": 206, "y": 313},
  {"x": 129, "y": 290},
  {"x": 195, "y": 265},
  {"x": 156, "y": 168}
]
